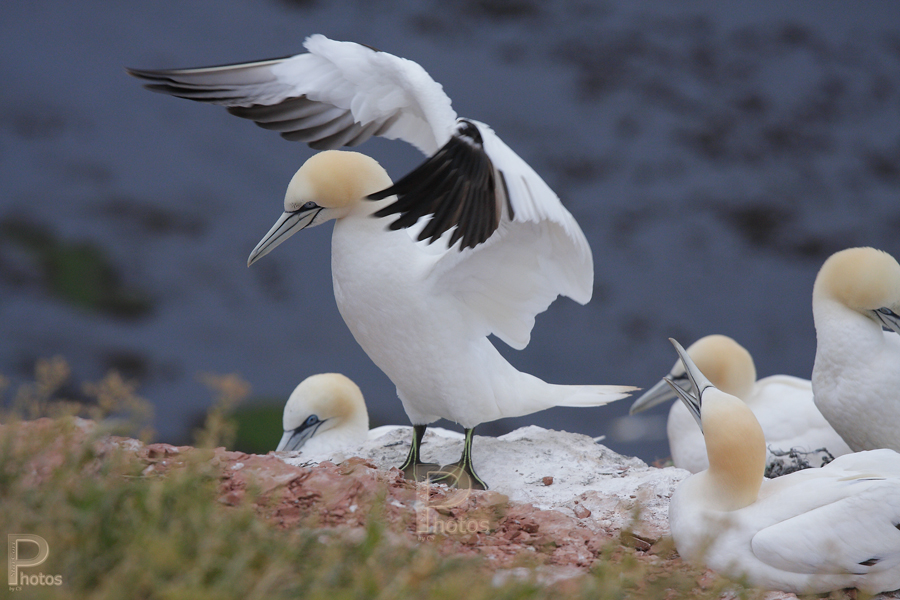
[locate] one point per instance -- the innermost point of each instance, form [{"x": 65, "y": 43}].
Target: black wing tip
[
  {"x": 152, "y": 74},
  {"x": 145, "y": 74}
]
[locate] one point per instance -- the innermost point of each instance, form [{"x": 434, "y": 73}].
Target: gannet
[
  {"x": 810, "y": 531},
  {"x": 327, "y": 412},
  {"x": 856, "y": 376},
  {"x": 782, "y": 404},
  {"x": 422, "y": 311}
]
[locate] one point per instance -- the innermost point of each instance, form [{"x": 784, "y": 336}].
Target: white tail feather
[{"x": 594, "y": 395}]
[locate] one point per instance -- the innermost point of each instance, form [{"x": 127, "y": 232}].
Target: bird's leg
[
  {"x": 413, "y": 468},
  {"x": 461, "y": 474}
]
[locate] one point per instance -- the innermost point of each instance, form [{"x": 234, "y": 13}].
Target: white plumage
[
  {"x": 782, "y": 404},
  {"x": 856, "y": 377},
  {"x": 326, "y": 413},
  {"x": 502, "y": 249},
  {"x": 811, "y": 531}
]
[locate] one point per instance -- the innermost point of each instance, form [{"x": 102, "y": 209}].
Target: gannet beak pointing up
[
  {"x": 287, "y": 225},
  {"x": 698, "y": 381}
]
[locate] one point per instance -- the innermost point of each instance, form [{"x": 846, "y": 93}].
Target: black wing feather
[
  {"x": 457, "y": 186},
  {"x": 297, "y": 118}
]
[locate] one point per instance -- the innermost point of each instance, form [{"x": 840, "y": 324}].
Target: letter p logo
[{"x": 13, "y": 560}]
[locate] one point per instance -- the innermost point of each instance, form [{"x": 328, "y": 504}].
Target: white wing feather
[
  {"x": 349, "y": 90},
  {"x": 527, "y": 262},
  {"x": 855, "y": 531},
  {"x": 376, "y": 86}
]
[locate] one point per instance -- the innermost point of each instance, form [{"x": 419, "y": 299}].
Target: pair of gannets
[
  {"x": 507, "y": 246},
  {"x": 856, "y": 377},
  {"x": 811, "y": 531},
  {"x": 326, "y": 413},
  {"x": 782, "y": 404}
]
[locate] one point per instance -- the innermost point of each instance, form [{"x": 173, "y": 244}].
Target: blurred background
[{"x": 714, "y": 152}]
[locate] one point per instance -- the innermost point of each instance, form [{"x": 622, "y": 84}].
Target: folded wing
[{"x": 855, "y": 531}]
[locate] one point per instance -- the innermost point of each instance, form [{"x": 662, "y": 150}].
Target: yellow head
[
  {"x": 322, "y": 403},
  {"x": 862, "y": 279},
  {"x": 328, "y": 186},
  {"x": 725, "y": 363},
  {"x": 336, "y": 180}
]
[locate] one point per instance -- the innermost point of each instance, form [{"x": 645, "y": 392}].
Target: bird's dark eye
[
  {"x": 311, "y": 420},
  {"x": 309, "y": 206}
]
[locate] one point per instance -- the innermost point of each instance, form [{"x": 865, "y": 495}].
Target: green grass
[
  {"x": 259, "y": 426},
  {"x": 117, "y": 531}
]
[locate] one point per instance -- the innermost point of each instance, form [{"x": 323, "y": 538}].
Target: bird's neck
[
  {"x": 838, "y": 325},
  {"x": 734, "y": 486},
  {"x": 360, "y": 238},
  {"x": 361, "y": 224},
  {"x": 736, "y": 448}
]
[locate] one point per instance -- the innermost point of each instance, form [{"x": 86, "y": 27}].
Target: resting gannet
[
  {"x": 327, "y": 413},
  {"x": 810, "y": 531},
  {"x": 856, "y": 376},
  {"x": 782, "y": 404},
  {"x": 421, "y": 311}
]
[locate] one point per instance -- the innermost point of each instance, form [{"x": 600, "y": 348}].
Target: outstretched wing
[
  {"x": 337, "y": 94},
  {"x": 473, "y": 190}
]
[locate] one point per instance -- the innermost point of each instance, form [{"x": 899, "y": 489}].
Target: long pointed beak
[
  {"x": 285, "y": 440},
  {"x": 287, "y": 225},
  {"x": 888, "y": 318},
  {"x": 690, "y": 400},
  {"x": 294, "y": 440},
  {"x": 698, "y": 380},
  {"x": 658, "y": 394}
]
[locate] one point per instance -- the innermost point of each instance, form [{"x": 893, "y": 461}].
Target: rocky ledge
[{"x": 559, "y": 501}]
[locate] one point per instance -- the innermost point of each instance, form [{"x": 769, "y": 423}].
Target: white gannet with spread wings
[{"x": 421, "y": 310}]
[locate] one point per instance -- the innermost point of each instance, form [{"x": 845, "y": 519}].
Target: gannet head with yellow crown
[
  {"x": 326, "y": 412},
  {"x": 735, "y": 443},
  {"x": 864, "y": 280},
  {"x": 726, "y": 363},
  {"x": 330, "y": 185}
]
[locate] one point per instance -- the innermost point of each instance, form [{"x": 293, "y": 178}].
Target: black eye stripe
[{"x": 311, "y": 421}]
